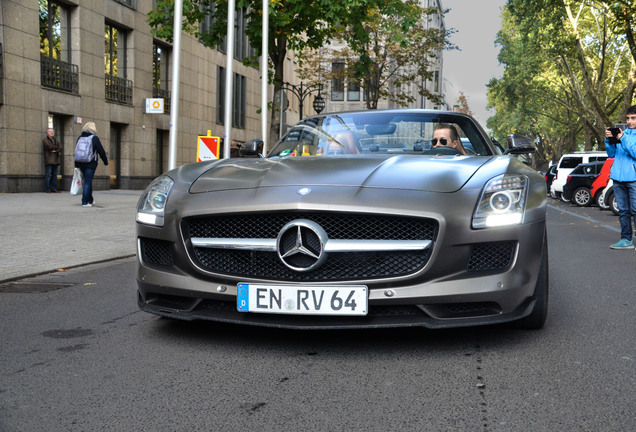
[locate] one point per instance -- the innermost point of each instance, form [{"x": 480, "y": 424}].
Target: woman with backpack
[{"x": 87, "y": 148}]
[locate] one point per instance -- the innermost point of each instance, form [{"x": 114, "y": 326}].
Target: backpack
[{"x": 84, "y": 151}]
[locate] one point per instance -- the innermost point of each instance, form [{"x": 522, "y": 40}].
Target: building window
[
  {"x": 160, "y": 69},
  {"x": 56, "y": 70},
  {"x": 241, "y": 45},
  {"x": 207, "y": 22},
  {"x": 238, "y": 107},
  {"x": 118, "y": 88},
  {"x": 55, "y": 35},
  {"x": 436, "y": 81},
  {"x": 220, "y": 95},
  {"x": 239, "y": 102},
  {"x": 337, "y": 84},
  {"x": 130, "y": 3},
  {"x": 353, "y": 91},
  {"x": 115, "y": 51}
]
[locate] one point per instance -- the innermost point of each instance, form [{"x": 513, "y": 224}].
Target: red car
[{"x": 601, "y": 181}]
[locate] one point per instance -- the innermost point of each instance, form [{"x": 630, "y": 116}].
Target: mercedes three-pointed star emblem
[{"x": 301, "y": 245}]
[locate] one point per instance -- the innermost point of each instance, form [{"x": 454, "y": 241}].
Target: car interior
[{"x": 378, "y": 133}]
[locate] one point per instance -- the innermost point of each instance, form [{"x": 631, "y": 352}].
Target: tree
[
  {"x": 566, "y": 74},
  {"x": 389, "y": 54},
  {"x": 462, "y": 104},
  {"x": 294, "y": 25}
]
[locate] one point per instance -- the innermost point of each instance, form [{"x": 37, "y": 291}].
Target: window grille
[
  {"x": 118, "y": 89},
  {"x": 59, "y": 75}
]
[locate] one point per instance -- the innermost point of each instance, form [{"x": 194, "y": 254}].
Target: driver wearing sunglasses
[{"x": 446, "y": 135}]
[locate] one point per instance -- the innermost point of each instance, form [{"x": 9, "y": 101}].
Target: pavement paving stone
[{"x": 41, "y": 233}]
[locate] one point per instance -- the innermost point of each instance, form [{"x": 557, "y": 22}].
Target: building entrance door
[
  {"x": 114, "y": 158},
  {"x": 58, "y": 123}
]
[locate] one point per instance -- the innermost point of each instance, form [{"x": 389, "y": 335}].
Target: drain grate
[{"x": 32, "y": 287}]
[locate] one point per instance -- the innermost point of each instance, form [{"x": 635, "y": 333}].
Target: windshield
[{"x": 373, "y": 132}]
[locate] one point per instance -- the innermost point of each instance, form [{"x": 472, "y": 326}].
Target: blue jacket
[{"x": 624, "y": 154}]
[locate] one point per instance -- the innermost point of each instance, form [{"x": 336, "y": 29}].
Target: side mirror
[
  {"x": 518, "y": 144},
  {"x": 252, "y": 148}
]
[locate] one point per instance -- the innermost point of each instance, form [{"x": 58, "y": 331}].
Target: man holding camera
[{"x": 621, "y": 145}]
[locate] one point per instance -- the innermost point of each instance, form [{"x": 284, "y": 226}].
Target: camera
[{"x": 614, "y": 131}]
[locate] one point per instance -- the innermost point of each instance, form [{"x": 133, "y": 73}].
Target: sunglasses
[{"x": 442, "y": 141}]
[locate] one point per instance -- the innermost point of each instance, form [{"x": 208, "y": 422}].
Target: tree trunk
[{"x": 278, "y": 59}]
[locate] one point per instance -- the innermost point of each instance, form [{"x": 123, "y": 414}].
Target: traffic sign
[{"x": 208, "y": 147}]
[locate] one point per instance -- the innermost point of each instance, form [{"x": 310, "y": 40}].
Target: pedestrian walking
[
  {"x": 52, "y": 159},
  {"x": 621, "y": 145},
  {"x": 87, "y": 149}
]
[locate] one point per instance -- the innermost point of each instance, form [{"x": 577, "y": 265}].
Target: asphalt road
[{"x": 77, "y": 355}]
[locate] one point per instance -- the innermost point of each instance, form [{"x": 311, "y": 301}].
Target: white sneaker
[{"x": 87, "y": 205}]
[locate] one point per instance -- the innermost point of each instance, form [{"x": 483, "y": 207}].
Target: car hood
[{"x": 426, "y": 173}]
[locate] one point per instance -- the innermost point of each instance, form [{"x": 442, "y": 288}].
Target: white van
[{"x": 565, "y": 166}]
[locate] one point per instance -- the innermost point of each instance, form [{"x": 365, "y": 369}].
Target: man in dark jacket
[
  {"x": 88, "y": 168},
  {"x": 52, "y": 158}
]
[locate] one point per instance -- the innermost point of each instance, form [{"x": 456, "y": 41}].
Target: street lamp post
[{"x": 302, "y": 92}]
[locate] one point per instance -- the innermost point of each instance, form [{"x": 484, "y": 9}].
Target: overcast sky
[{"x": 471, "y": 67}]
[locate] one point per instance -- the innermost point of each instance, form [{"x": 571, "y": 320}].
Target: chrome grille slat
[{"x": 359, "y": 246}]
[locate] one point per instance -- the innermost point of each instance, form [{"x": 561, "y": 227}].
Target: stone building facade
[
  {"x": 96, "y": 60},
  {"x": 66, "y": 62}
]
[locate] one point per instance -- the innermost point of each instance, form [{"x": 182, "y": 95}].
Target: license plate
[{"x": 302, "y": 300}]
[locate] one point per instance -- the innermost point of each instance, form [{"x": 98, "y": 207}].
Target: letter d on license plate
[{"x": 302, "y": 300}]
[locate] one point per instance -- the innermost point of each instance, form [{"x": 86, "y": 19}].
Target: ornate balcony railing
[
  {"x": 165, "y": 95},
  {"x": 119, "y": 89},
  {"x": 59, "y": 75}
]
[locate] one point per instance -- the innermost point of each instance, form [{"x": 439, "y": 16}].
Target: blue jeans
[
  {"x": 87, "y": 192},
  {"x": 625, "y": 194},
  {"x": 50, "y": 178}
]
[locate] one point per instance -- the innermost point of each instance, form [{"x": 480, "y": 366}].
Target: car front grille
[{"x": 338, "y": 265}]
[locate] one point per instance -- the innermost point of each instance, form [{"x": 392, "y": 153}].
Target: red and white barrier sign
[{"x": 208, "y": 147}]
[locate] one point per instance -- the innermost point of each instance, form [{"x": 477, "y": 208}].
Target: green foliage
[
  {"x": 567, "y": 75},
  {"x": 388, "y": 49}
]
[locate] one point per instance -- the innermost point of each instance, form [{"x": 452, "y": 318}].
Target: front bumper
[{"x": 380, "y": 316}]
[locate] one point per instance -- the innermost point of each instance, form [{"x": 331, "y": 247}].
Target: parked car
[
  {"x": 565, "y": 166},
  {"x": 608, "y": 199},
  {"x": 352, "y": 220},
  {"x": 600, "y": 183},
  {"x": 549, "y": 176},
  {"x": 579, "y": 183}
]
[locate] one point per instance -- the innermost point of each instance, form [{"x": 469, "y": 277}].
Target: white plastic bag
[{"x": 78, "y": 182}]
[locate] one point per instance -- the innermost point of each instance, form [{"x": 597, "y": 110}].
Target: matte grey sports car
[{"x": 357, "y": 219}]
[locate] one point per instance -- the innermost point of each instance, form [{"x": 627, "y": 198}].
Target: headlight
[
  {"x": 502, "y": 202},
  {"x": 152, "y": 205}
]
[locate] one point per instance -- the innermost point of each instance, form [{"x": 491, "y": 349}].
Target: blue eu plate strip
[{"x": 243, "y": 299}]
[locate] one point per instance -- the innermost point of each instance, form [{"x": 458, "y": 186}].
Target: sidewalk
[{"x": 41, "y": 233}]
